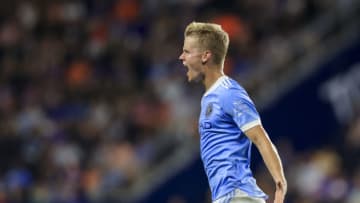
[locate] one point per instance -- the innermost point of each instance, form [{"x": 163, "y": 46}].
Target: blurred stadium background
[{"x": 95, "y": 107}]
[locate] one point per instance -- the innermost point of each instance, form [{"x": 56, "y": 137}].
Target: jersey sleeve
[{"x": 239, "y": 106}]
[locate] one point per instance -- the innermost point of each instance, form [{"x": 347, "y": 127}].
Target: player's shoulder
[
  {"x": 231, "y": 88},
  {"x": 225, "y": 88}
]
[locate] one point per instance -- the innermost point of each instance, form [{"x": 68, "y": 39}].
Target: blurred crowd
[{"x": 92, "y": 94}]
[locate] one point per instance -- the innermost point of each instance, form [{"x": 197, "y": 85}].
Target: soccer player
[{"x": 228, "y": 123}]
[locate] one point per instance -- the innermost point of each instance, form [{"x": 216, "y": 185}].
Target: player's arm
[
  {"x": 259, "y": 137},
  {"x": 242, "y": 110}
]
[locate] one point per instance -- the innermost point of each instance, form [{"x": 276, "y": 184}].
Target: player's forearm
[
  {"x": 273, "y": 163},
  {"x": 269, "y": 154}
]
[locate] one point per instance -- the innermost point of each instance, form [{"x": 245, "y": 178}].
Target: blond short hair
[{"x": 210, "y": 37}]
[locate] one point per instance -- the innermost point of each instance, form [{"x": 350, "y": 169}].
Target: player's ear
[{"x": 206, "y": 57}]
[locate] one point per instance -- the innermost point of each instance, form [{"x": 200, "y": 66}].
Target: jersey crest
[{"x": 209, "y": 109}]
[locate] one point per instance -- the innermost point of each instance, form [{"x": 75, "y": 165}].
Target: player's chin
[
  {"x": 195, "y": 78},
  {"x": 191, "y": 76},
  {"x": 190, "y": 79}
]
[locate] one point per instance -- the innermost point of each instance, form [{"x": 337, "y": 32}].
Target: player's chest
[{"x": 211, "y": 115}]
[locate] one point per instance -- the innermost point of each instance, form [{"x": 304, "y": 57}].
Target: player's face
[{"x": 191, "y": 58}]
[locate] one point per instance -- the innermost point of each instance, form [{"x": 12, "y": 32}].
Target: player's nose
[{"x": 181, "y": 57}]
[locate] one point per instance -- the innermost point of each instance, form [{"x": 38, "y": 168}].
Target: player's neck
[{"x": 211, "y": 77}]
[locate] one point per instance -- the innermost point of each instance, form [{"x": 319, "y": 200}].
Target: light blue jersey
[{"x": 226, "y": 113}]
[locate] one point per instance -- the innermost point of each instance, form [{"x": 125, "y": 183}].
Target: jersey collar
[{"x": 215, "y": 85}]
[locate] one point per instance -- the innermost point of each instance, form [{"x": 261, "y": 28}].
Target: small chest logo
[{"x": 209, "y": 110}]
